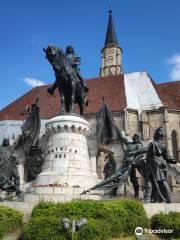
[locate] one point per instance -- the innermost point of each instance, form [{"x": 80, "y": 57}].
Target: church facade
[{"x": 138, "y": 104}]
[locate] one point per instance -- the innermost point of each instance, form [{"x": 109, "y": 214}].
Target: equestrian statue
[{"x": 72, "y": 87}]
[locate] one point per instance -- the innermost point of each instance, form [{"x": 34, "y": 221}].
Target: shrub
[
  {"x": 10, "y": 219},
  {"x": 105, "y": 219},
  {"x": 95, "y": 230},
  {"x": 51, "y": 228},
  {"x": 45, "y": 228},
  {"x": 135, "y": 215},
  {"x": 167, "y": 221},
  {"x": 72, "y": 209}
]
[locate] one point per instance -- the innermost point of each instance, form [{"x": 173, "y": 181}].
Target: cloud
[
  {"x": 33, "y": 82},
  {"x": 175, "y": 71}
]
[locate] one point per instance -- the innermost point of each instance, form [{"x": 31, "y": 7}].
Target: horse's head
[
  {"x": 56, "y": 57},
  {"x": 52, "y": 52}
]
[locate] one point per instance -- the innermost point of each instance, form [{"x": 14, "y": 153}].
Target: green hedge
[
  {"x": 106, "y": 219},
  {"x": 167, "y": 221},
  {"x": 10, "y": 220}
]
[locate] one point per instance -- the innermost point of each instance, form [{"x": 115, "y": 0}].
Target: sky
[{"x": 147, "y": 31}]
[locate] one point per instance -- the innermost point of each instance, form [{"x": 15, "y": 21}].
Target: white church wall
[{"x": 140, "y": 92}]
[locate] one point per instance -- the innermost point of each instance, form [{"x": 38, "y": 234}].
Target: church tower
[{"x": 111, "y": 52}]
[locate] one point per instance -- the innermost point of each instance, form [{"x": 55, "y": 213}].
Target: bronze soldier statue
[
  {"x": 122, "y": 174},
  {"x": 28, "y": 142},
  {"x": 110, "y": 166},
  {"x": 106, "y": 164},
  {"x": 156, "y": 186},
  {"x": 9, "y": 175},
  {"x": 137, "y": 163}
]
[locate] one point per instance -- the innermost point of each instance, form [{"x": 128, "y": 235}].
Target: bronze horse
[{"x": 67, "y": 81}]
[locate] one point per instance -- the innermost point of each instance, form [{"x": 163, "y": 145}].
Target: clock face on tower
[{"x": 110, "y": 58}]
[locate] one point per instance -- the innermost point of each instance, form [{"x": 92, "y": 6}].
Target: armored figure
[
  {"x": 6, "y": 151},
  {"x": 34, "y": 162},
  {"x": 107, "y": 131},
  {"x": 71, "y": 86},
  {"x": 9, "y": 176},
  {"x": 136, "y": 162},
  {"x": 28, "y": 142},
  {"x": 106, "y": 164},
  {"x": 74, "y": 61},
  {"x": 122, "y": 174},
  {"x": 156, "y": 186},
  {"x": 110, "y": 166}
]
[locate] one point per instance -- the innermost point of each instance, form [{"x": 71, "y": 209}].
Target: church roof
[
  {"x": 111, "y": 39},
  {"x": 169, "y": 94},
  {"x": 112, "y": 88}
]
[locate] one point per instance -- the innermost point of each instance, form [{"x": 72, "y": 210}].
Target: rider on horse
[
  {"x": 72, "y": 87},
  {"x": 74, "y": 61}
]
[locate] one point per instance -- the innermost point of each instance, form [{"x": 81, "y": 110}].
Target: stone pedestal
[{"x": 67, "y": 164}]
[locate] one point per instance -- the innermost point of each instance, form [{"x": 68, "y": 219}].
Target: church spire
[
  {"x": 111, "y": 39},
  {"x": 111, "y": 52}
]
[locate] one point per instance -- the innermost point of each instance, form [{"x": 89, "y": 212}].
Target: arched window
[{"x": 175, "y": 145}]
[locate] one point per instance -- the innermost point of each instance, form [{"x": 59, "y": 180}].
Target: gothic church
[{"x": 137, "y": 102}]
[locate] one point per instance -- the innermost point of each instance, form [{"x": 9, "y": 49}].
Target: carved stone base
[{"x": 67, "y": 162}]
